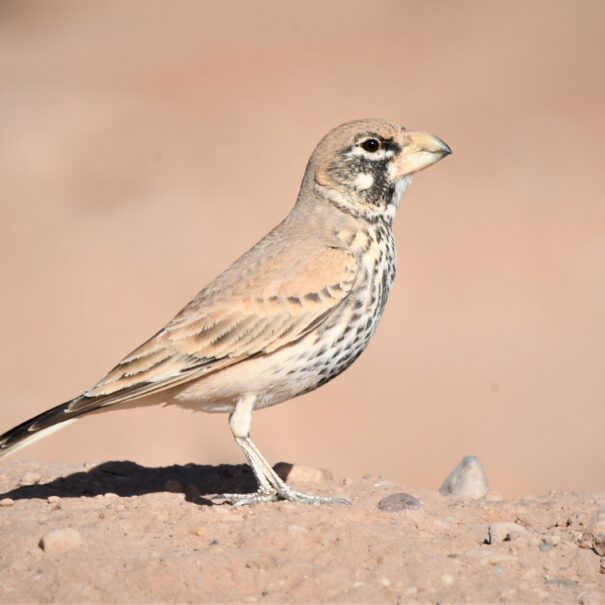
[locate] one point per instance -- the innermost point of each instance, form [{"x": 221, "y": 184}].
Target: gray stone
[
  {"x": 467, "y": 480},
  {"x": 560, "y": 581},
  {"x": 398, "y": 502}
]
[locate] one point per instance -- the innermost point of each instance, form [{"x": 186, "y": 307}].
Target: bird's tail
[{"x": 36, "y": 428}]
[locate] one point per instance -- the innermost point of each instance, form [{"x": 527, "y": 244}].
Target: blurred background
[{"x": 146, "y": 145}]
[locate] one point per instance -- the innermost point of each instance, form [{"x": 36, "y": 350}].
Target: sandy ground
[{"x": 120, "y": 532}]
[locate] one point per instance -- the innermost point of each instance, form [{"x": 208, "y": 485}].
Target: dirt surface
[{"x": 120, "y": 532}]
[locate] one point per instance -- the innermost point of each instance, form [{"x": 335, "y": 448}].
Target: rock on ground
[
  {"x": 467, "y": 480},
  {"x": 502, "y": 532},
  {"x": 60, "y": 539},
  {"x": 127, "y": 536}
]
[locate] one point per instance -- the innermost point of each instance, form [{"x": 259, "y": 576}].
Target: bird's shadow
[{"x": 126, "y": 478}]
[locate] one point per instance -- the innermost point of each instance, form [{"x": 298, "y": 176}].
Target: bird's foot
[
  {"x": 287, "y": 494},
  {"x": 251, "y": 498}
]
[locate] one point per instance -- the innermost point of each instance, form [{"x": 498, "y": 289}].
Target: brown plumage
[{"x": 290, "y": 314}]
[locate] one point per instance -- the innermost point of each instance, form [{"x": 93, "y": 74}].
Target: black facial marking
[{"x": 350, "y": 164}]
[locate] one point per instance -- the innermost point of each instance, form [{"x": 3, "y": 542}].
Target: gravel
[
  {"x": 148, "y": 545},
  {"x": 398, "y": 502}
]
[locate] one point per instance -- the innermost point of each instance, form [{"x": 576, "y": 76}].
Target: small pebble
[
  {"x": 467, "y": 480},
  {"x": 53, "y": 499},
  {"x": 6, "y": 502},
  {"x": 30, "y": 479},
  {"x": 303, "y": 474},
  {"x": 559, "y": 581},
  {"x": 60, "y": 539},
  {"x": 297, "y": 530},
  {"x": 199, "y": 531},
  {"x": 594, "y": 536},
  {"x": 447, "y": 579},
  {"x": 385, "y": 582},
  {"x": 504, "y": 532},
  {"x": 589, "y": 598},
  {"x": 398, "y": 502},
  {"x": 532, "y": 572},
  {"x": 111, "y": 496},
  {"x": 174, "y": 486},
  {"x": 192, "y": 492},
  {"x": 498, "y": 558},
  {"x": 541, "y": 594},
  {"x": 550, "y": 566},
  {"x": 552, "y": 539},
  {"x": 478, "y": 553}
]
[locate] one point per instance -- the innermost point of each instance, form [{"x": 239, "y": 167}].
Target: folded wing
[{"x": 246, "y": 312}]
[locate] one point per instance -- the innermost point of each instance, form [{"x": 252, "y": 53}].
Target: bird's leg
[
  {"x": 270, "y": 485},
  {"x": 284, "y": 491}
]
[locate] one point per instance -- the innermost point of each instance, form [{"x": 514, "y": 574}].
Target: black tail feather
[{"x": 31, "y": 428}]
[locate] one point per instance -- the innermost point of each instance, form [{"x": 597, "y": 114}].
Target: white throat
[{"x": 400, "y": 186}]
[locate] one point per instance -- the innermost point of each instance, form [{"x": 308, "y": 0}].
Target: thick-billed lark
[{"x": 289, "y": 315}]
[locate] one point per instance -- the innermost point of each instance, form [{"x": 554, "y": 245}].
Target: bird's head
[{"x": 364, "y": 166}]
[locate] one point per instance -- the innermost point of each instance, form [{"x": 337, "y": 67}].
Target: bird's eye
[{"x": 371, "y": 145}]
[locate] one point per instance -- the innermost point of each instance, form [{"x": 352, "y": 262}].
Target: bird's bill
[{"x": 420, "y": 151}]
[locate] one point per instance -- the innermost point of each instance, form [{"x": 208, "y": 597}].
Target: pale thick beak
[{"x": 420, "y": 151}]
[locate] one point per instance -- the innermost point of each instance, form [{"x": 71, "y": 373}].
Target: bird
[{"x": 288, "y": 316}]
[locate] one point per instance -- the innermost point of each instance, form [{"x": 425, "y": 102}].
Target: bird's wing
[{"x": 253, "y": 309}]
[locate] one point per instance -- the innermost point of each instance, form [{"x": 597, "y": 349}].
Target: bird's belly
[{"x": 266, "y": 377}]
